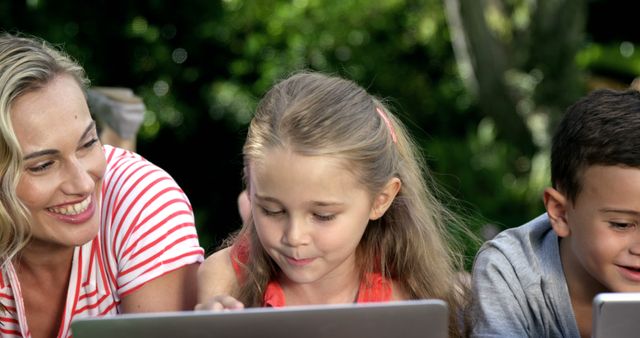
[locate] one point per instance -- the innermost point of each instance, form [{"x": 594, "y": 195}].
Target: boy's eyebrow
[
  {"x": 55, "y": 151},
  {"x": 621, "y": 211}
]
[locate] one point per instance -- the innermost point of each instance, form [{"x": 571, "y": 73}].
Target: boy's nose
[{"x": 634, "y": 248}]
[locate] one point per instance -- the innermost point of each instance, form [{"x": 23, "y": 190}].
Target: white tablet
[
  {"x": 616, "y": 315},
  {"x": 406, "y": 319}
]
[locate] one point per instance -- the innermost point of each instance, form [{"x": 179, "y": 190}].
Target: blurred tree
[
  {"x": 201, "y": 66},
  {"x": 517, "y": 57}
]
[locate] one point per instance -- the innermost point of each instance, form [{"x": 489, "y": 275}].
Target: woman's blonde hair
[
  {"x": 318, "y": 115},
  {"x": 26, "y": 64}
]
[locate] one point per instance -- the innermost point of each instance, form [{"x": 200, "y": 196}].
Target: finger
[{"x": 229, "y": 302}]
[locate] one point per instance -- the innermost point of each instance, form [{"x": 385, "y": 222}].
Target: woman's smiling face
[{"x": 63, "y": 163}]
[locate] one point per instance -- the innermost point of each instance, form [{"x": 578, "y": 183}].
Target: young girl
[{"x": 340, "y": 209}]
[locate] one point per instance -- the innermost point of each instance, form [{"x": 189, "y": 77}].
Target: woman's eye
[
  {"x": 40, "y": 167},
  {"x": 90, "y": 143}
]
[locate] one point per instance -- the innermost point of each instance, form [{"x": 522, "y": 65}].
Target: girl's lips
[{"x": 299, "y": 262}]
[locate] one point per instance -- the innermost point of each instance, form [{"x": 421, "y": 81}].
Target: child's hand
[{"x": 220, "y": 303}]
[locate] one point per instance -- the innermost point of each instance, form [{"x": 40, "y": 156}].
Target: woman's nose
[{"x": 78, "y": 179}]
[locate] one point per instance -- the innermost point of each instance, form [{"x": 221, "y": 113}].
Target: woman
[{"x": 85, "y": 230}]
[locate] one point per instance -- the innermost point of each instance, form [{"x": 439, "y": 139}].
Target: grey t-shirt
[{"x": 519, "y": 285}]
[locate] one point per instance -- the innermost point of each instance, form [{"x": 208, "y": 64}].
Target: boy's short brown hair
[{"x": 603, "y": 128}]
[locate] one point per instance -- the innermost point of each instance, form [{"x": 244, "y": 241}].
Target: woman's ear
[
  {"x": 383, "y": 200},
  {"x": 556, "y": 204}
]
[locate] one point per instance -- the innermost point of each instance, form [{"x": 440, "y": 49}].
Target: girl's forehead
[
  {"x": 289, "y": 168},
  {"x": 281, "y": 157}
]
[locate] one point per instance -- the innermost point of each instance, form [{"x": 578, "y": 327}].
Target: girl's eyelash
[
  {"x": 270, "y": 212},
  {"x": 325, "y": 218}
]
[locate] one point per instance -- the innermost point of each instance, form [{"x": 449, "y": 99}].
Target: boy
[{"x": 539, "y": 280}]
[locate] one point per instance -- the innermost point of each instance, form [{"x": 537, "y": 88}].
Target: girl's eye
[
  {"x": 268, "y": 212},
  {"x": 40, "y": 167},
  {"x": 324, "y": 218}
]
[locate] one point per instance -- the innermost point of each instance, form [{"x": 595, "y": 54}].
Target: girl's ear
[
  {"x": 556, "y": 204},
  {"x": 244, "y": 205},
  {"x": 383, "y": 200}
]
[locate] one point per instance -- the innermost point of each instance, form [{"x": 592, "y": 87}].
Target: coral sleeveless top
[{"x": 373, "y": 287}]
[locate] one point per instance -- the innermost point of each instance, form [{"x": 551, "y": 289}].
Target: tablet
[
  {"x": 616, "y": 315},
  {"x": 408, "y": 319}
]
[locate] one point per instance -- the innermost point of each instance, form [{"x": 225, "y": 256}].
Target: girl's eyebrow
[
  {"x": 316, "y": 203},
  {"x": 326, "y": 204},
  {"x": 266, "y": 198},
  {"x": 46, "y": 152}
]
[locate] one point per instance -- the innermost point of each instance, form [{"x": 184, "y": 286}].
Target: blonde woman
[{"x": 85, "y": 230}]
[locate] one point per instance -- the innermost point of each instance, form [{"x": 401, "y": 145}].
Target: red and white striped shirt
[{"x": 147, "y": 230}]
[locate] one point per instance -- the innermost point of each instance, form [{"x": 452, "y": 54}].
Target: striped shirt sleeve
[{"x": 148, "y": 223}]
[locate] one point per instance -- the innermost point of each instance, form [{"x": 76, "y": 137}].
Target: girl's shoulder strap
[
  {"x": 239, "y": 255},
  {"x": 374, "y": 288},
  {"x": 274, "y": 295}
]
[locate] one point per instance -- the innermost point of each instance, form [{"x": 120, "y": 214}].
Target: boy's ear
[
  {"x": 556, "y": 204},
  {"x": 383, "y": 200}
]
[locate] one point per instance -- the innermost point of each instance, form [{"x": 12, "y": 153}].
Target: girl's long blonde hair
[
  {"x": 317, "y": 115},
  {"x": 26, "y": 64}
]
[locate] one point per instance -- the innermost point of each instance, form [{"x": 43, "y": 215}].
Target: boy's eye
[{"x": 621, "y": 225}]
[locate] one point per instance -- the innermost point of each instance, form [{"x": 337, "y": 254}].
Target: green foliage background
[{"x": 202, "y": 65}]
